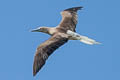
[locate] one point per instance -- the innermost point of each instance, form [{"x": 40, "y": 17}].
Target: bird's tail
[
  {"x": 87, "y": 40},
  {"x": 83, "y": 39}
]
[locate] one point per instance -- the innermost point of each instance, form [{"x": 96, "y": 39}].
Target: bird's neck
[{"x": 52, "y": 31}]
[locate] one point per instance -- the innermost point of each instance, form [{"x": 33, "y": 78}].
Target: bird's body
[{"x": 59, "y": 35}]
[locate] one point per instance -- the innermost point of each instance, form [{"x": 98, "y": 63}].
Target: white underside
[{"x": 84, "y": 39}]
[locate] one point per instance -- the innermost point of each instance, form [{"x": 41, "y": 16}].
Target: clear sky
[{"x": 100, "y": 20}]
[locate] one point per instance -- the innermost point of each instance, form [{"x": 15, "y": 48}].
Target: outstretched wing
[
  {"x": 69, "y": 19},
  {"x": 46, "y": 49}
]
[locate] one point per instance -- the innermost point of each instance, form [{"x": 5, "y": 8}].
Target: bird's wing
[
  {"x": 46, "y": 49},
  {"x": 69, "y": 19}
]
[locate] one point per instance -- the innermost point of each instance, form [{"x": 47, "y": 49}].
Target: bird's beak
[{"x": 35, "y": 30}]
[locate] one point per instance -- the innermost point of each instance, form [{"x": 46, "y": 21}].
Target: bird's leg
[{"x": 84, "y": 39}]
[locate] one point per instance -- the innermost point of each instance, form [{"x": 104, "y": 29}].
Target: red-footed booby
[{"x": 59, "y": 35}]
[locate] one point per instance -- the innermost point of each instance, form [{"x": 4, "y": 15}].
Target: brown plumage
[
  {"x": 46, "y": 49},
  {"x": 59, "y": 37},
  {"x": 69, "y": 19}
]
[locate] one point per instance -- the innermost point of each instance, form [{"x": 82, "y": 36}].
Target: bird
[{"x": 60, "y": 35}]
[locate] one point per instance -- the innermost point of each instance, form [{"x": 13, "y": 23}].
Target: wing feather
[
  {"x": 69, "y": 19},
  {"x": 46, "y": 49}
]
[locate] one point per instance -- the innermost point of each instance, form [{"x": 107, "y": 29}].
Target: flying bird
[{"x": 59, "y": 35}]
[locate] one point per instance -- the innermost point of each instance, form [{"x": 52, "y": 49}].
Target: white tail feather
[
  {"x": 87, "y": 40},
  {"x": 83, "y": 39}
]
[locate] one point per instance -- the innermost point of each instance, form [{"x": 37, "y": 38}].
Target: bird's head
[{"x": 41, "y": 29}]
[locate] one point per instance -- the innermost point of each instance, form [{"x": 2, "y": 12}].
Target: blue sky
[{"x": 100, "y": 20}]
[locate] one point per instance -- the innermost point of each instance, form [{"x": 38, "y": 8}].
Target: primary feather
[{"x": 46, "y": 49}]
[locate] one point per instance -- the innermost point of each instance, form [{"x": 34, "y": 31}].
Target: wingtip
[
  {"x": 34, "y": 74},
  {"x": 34, "y": 71},
  {"x": 80, "y": 7},
  {"x": 74, "y": 8}
]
